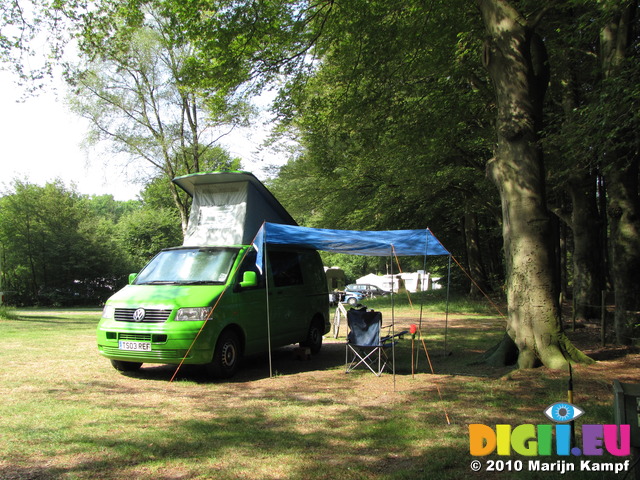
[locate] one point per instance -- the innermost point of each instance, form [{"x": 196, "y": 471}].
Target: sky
[{"x": 41, "y": 141}]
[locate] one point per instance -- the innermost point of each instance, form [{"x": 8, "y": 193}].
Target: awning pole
[
  {"x": 422, "y": 290},
  {"x": 393, "y": 322},
  {"x": 446, "y": 314},
  {"x": 265, "y": 262},
  {"x": 424, "y": 269}
]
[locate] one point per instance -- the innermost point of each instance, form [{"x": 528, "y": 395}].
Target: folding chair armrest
[
  {"x": 395, "y": 335},
  {"x": 388, "y": 327}
]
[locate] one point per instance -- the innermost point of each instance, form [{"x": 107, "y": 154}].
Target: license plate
[{"x": 134, "y": 346}]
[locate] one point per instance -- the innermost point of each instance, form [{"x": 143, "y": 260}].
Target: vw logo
[{"x": 138, "y": 315}]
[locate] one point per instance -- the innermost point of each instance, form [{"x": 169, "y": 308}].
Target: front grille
[
  {"x": 151, "y": 315},
  {"x": 135, "y": 337},
  {"x": 159, "y": 355}
]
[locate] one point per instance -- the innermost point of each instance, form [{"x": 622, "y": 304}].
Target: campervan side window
[
  {"x": 286, "y": 269},
  {"x": 249, "y": 265}
]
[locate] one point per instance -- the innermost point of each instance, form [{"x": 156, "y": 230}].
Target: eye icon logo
[{"x": 563, "y": 412}]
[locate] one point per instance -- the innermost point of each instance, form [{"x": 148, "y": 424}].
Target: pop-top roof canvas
[{"x": 229, "y": 208}]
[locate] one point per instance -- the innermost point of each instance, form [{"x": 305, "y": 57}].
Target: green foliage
[
  {"x": 61, "y": 248},
  {"x": 136, "y": 100},
  {"x": 605, "y": 120},
  {"x": 132, "y": 87},
  {"x": 144, "y": 232},
  {"x": 156, "y": 195},
  {"x": 589, "y": 113},
  {"x": 395, "y": 126},
  {"x": 355, "y": 266},
  {"x": 53, "y": 246},
  {"x": 106, "y": 206},
  {"x": 7, "y": 313}
]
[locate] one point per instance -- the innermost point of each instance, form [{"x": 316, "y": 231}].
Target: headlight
[
  {"x": 108, "y": 311},
  {"x": 192, "y": 314}
]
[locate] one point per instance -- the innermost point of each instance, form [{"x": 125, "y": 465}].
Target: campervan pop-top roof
[{"x": 228, "y": 208}]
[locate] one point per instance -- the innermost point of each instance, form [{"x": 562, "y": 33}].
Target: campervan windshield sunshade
[{"x": 188, "y": 266}]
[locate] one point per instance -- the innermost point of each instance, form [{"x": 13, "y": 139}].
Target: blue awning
[{"x": 353, "y": 242}]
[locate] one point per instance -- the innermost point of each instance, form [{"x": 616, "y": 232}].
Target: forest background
[{"x": 507, "y": 127}]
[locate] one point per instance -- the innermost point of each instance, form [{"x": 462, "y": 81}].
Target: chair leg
[{"x": 371, "y": 359}]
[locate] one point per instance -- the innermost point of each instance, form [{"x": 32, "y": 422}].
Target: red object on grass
[{"x": 413, "y": 329}]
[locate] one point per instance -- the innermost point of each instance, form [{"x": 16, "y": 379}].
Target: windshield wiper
[
  {"x": 158, "y": 282},
  {"x": 180, "y": 282},
  {"x": 199, "y": 282}
]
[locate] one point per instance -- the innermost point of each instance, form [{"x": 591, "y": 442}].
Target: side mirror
[
  {"x": 132, "y": 277},
  {"x": 249, "y": 279}
]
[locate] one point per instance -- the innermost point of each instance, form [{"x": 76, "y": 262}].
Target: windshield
[{"x": 188, "y": 266}]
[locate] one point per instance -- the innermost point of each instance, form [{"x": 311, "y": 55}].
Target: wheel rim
[
  {"x": 229, "y": 354},
  {"x": 314, "y": 335}
]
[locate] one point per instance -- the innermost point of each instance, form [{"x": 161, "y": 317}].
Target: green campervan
[{"x": 206, "y": 302}]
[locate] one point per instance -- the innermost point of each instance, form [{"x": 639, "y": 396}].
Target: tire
[
  {"x": 352, "y": 301},
  {"x": 123, "y": 366},
  {"x": 226, "y": 356},
  {"x": 314, "y": 337}
]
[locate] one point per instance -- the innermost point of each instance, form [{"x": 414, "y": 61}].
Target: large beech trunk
[
  {"x": 516, "y": 60},
  {"x": 588, "y": 272},
  {"x": 479, "y": 284},
  {"x": 623, "y": 211},
  {"x": 623, "y": 207}
]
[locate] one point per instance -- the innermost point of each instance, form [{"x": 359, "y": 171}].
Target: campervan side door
[
  {"x": 289, "y": 312},
  {"x": 245, "y": 307}
]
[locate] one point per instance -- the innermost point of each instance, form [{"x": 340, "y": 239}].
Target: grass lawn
[{"x": 67, "y": 414}]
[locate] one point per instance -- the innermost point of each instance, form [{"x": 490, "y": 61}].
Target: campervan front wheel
[
  {"x": 226, "y": 356},
  {"x": 122, "y": 366},
  {"x": 314, "y": 337}
]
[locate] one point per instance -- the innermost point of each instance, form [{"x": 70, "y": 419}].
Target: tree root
[{"x": 506, "y": 353}]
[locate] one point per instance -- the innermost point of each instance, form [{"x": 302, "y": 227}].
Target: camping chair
[{"x": 365, "y": 344}]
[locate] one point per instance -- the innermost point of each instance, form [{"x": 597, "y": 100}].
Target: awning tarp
[{"x": 353, "y": 242}]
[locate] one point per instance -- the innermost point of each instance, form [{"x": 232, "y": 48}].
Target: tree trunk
[
  {"x": 587, "y": 252},
  {"x": 588, "y": 266},
  {"x": 183, "y": 206},
  {"x": 516, "y": 60},
  {"x": 561, "y": 257},
  {"x": 622, "y": 189},
  {"x": 479, "y": 283}
]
